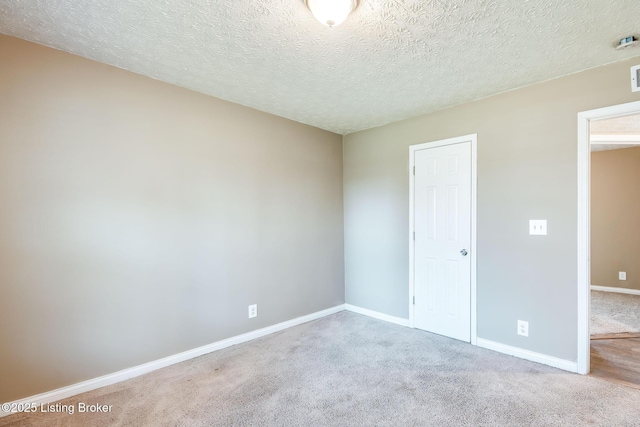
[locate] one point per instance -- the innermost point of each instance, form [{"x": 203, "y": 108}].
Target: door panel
[{"x": 442, "y": 215}]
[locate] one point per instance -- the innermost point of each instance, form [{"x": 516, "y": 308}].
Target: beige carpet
[
  {"x": 351, "y": 370},
  {"x": 613, "y": 313}
]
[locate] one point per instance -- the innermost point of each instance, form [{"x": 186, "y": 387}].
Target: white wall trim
[
  {"x": 473, "y": 138},
  {"x": 615, "y": 139},
  {"x": 125, "y": 374},
  {"x": 616, "y": 290},
  {"x": 474, "y": 246},
  {"x": 377, "y": 315},
  {"x": 584, "y": 266},
  {"x": 566, "y": 365}
]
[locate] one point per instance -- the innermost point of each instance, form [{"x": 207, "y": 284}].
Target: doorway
[
  {"x": 442, "y": 241},
  {"x": 605, "y": 354},
  {"x": 615, "y": 249}
]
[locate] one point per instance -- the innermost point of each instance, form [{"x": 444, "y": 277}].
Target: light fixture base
[{"x": 331, "y": 13}]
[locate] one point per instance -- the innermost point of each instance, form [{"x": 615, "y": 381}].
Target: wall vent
[{"x": 635, "y": 78}]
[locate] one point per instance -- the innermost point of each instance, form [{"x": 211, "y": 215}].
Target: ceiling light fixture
[{"x": 331, "y": 12}]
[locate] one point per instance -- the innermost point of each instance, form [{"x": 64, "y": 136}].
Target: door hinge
[
  {"x": 414, "y": 170},
  {"x": 414, "y": 300},
  {"x": 414, "y": 235}
]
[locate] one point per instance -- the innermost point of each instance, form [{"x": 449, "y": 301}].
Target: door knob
[{"x": 464, "y": 252}]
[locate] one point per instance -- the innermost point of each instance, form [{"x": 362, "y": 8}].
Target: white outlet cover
[
  {"x": 622, "y": 275},
  {"x": 253, "y": 311},
  {"x": 523, "y": 328},
  {"x": 538, "y": 227}
]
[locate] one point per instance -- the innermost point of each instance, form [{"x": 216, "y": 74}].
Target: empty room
[{"x": 319, "y": 212}]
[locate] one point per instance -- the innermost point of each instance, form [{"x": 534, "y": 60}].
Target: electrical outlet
[
  {"x": 253, "y": 311},
  {"x": 622, "y": 275},
  {"x": 538, "y": 227},
  {"x": 523, "y": 328}
]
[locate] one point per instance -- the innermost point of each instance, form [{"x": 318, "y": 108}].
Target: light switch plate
[
  {"x": 622, "y": 275},
  {"x": 538, "y": 227}
]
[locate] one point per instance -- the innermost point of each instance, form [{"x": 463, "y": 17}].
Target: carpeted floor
[
  {"x": 351, "y": 370},
  {"x": 614, "y": 313}
]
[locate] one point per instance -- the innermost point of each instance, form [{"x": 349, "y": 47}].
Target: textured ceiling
[
  {"x": 391, "y": 59},
  {"x": 625, "y": 125}
]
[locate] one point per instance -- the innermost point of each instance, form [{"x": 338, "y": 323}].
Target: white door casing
[
  {"x": 584, "y": 223},
  {"x": 443, "y": 252}
]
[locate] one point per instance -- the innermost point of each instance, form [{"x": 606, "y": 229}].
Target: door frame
[
  {"x": 584, "y": 223},
  {"x": 473, "y": 139}
]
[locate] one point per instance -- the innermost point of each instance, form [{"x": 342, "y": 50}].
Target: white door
[{"x": 442, "y": 221}]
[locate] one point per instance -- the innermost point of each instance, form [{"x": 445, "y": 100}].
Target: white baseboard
[
  {"x": 116, "y": 377},
  {"x": 566, "y": 365},
  {"x": 377, "y": 315},
  {"x": 490, "y": 345},
  {"x": 618, "y": 290}
]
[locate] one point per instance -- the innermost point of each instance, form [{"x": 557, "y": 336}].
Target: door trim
[
  {"x": 473, "y": 139},
  {"x": 584, "y": 223}
]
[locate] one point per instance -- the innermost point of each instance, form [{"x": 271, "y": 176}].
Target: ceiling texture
[
  {"x": 625, "y": 125},
  {"x": 619, "y": 132},
  {"x": 391, "y": 59}
]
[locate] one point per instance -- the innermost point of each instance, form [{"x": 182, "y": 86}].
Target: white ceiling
[
  {"x": 625, "y": 125},
  {"x": 391, "y": 59},
  {"x": 615, "y": 134}
]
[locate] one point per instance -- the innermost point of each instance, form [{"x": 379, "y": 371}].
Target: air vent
[{"x": 635, "y": 78}]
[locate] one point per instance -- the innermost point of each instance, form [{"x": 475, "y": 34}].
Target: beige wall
[
  {"x": 527, "y": 169},
  {"x": 139, "y": 219},
  {"x": 615, "y": 217}
]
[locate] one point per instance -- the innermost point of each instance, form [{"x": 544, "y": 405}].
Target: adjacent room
[
  {"x": 319, "y": 212},
  {"x": 615, "y": 249}
]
